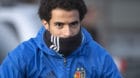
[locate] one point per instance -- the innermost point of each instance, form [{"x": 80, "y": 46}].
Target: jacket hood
[{"x": 86, "y": 38}]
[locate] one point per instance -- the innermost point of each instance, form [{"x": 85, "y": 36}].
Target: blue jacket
[{"x": 33, "y": 59}]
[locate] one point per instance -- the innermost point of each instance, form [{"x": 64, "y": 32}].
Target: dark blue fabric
[{"x": 33, "y": 59}]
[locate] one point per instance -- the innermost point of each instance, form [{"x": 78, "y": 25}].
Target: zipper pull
[{"x": 65, "y": 61}]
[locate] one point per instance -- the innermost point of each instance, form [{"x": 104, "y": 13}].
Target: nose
[{"x": 67, "y": 32}]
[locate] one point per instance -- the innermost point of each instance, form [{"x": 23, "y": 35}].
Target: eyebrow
[
  {"x": 58, "y": 23},
  {"x": 74, "y": 22}
]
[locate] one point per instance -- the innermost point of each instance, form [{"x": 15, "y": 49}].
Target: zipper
[{"x": 65, "y": 62}]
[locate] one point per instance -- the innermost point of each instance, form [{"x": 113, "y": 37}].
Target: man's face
[{"x": 63, "y": 23}]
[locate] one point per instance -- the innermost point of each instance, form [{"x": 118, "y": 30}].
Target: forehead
[{"x": 64, "y": 15}]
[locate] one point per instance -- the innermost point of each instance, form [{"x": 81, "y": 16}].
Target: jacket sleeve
[
  {"x": 10, "y": 68},
  {"x": 110, "y": 69}
]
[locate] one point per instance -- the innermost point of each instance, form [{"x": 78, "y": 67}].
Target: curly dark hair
[{"x": 46, "y": 7}]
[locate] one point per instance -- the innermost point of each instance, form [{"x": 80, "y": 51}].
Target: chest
[{"x": 50, "y": 67}]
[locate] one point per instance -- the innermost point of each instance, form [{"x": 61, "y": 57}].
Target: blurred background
[{"x": 115, "y": 24}]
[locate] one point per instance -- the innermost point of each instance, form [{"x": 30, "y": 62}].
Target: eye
[
  {"x": 74, "y": 24},
  {"x": 59, "y": 25}
]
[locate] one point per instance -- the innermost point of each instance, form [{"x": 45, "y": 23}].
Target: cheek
[
  {"x": 77, "y": 29},
  {"x": 56, "y": 32}
]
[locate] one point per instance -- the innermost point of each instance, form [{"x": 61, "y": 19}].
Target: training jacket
[{"x": 33, "y": 59}]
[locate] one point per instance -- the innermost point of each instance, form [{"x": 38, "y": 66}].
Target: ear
[{"x": 45, "y": 23}]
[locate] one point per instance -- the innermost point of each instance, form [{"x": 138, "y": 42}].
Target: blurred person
[{"x": 62, "y": 48}]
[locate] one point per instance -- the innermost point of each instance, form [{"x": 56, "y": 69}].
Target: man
[{"x": 62, "y": 48}]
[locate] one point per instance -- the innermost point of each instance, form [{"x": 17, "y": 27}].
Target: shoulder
[
  {"x": 22, "y": 54},
  {"x": 100, "y": 56},
  {"x": 25, "y": 48},
  {"x": 18, "y": 59},
  {"x": 93, "y": 49},
  {"x": 97, "y": 56}
]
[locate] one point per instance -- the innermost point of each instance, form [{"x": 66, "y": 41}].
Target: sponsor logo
[{"x": 80, "y": 73}]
